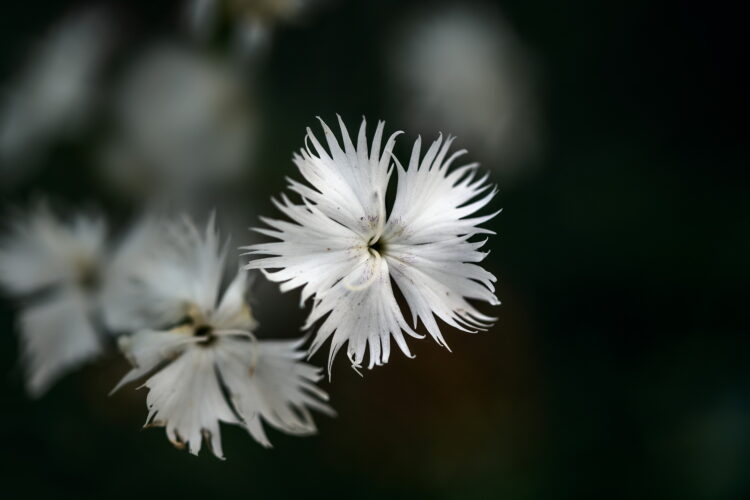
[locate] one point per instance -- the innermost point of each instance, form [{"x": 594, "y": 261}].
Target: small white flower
[
  {"x": 54, "y": 94},
  {"x": 66, "y": 274},
  {"x": 344, "y": 251},
  {"x": 210, "y": 368}
]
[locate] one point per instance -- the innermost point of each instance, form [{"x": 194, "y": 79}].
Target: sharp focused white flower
[
  {"x": 344, "y": 250},
  {"x": 210, "y": 368},
  {"x": 54, "y": 94},
  {"x": 67, "y": 275},
  {"x": 462, "y": 67}
]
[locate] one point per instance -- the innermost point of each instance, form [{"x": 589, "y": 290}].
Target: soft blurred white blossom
[
  {"x": 53, "y": 96},
  {"x": 461, "y": 69},
  {"x": 68, "y": 278},
  {"x": 208, "y": 367},
  {"x": 183, "y": 125}
]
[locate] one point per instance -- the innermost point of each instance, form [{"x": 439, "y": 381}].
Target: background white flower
[
  {"x": 343, "y": 249},
  {"x": 461, "y": 67},
  {"x": 68, "y": 278},
  {"x": 183, "y": 124},
  {"x": 55, "y": 93},
  {"x": 210, "y": 368}
]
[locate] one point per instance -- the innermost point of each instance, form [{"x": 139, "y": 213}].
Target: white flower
[
  {"x": 344, "y": 251},
  {"x": 54, "y": 94},
  {"x": 462, "y": 67},
  {"x": 64, "y": 273},
  {"x": 210, "y": 368},
  {"x": 184, "y": 124}
]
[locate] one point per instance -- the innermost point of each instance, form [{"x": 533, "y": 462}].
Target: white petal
[
  {"x": 186, "y": 398},
  {"x": 186, "y": 271},
  {"x": 348, "y": 185},
  {"x": 124, "y": 306},
  {"x": 271, "y": 384},
  {"x": 233, "y": 311},
  {"x": 56, "y": 337},
  {"x": 147, "y": 349},
  {"x": 431, "y": 203},
  {"x": 427, "y": 240},
  {"x": 315, "y": 253},
  {"x": 435, "y": 280},
  {"x": 362, "y": 311}
]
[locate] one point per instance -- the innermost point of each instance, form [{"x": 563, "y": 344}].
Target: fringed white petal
[
  {"x": 436, "y": 279},
  {"x": 315, "y": 251},
  {"x": 432, "y": 260},
  {"x": 264, "y": 381},
  {"x": 147, "y": 349},
  {"x": 348, "y": 185},
  {"x": 272, "y": 385},
  {"x": 186, "y": 270},
  {"x": 361, "y": 311},
  {"x": 431, "y": 203},
  {"x": 186, "y": 398}
]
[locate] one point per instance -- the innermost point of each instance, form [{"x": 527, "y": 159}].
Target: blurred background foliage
[{"x": 620, "y": 364}]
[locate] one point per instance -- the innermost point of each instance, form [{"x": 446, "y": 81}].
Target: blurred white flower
[
  {"x": 67, "y": 276},
  {"x": 184, "y": 124},
  {"x": 343, "y": 249},
  {"x": 54, "y": 95},
  {"x": 252, "y": 20},
  {"x": 210, "y": 368},
  {"x": 461, "y": 69}
]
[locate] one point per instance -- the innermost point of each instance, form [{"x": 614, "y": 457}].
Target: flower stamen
[
  {"x": 370, "y": 279},
  {"x": 253, "y": 339}
]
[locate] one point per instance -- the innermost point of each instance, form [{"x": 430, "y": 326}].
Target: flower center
[
  {"x": 377, "y": 245},
  {"x": 89, "y": 278},
  {"x": 205, "y": 333}
]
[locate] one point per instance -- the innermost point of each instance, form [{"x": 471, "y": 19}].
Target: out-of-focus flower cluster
[
  {"x": 461, "y": 68},
  {"x": 55, "y": 94},
  {"x": 176, "y": 122},
  {"x": 184, "y": 121}
]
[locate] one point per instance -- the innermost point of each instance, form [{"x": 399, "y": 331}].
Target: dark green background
[{"x": 620, "y": 366}]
